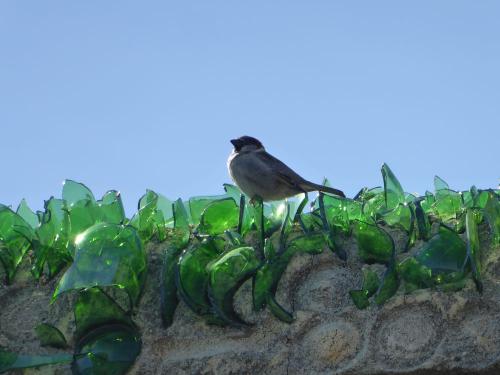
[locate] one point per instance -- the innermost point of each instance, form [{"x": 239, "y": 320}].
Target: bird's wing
[{"x": 283, "y": 171}]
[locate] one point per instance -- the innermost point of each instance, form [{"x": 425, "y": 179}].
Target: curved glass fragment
[
  {"x": 219, "y": 216},
  {"x": 393, "y": 192},
  {"x": 107, "y": 255},
  {"x": 27, "y": 214},
  {"x": 107, "y": 350},
  {"x": 50, "y": 336},
  {"x": 192, "y": 276},
  {"x": 226, "y": 275},
  {"x": 16, "y": 237},
  {"x": 374, "y": 244}
]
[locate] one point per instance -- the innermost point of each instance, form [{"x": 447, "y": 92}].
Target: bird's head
[{"x": 246, "y": 143}]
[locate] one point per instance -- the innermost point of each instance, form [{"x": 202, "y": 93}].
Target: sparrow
[{"x": 260, "y": 175}]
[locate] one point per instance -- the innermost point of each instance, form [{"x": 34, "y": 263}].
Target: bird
[{"x": 258, "y": 174}]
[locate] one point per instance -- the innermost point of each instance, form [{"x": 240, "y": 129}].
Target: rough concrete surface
[{"x": 425, "y": 332}]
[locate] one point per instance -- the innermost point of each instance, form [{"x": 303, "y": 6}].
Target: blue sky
[{"x": 134, "y": 95}]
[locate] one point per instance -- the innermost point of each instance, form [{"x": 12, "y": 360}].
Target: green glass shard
[
  {"x": 247, "y": 211},
  {"x": 50, "y": 336},
  {"x": 359, "y": 298},
  {"x": 427, "y": 203},
  {"x": 192, "y": 276},
  {"x": 16, "y": 237},
  {"x": 374, "y": 244},
  {"x": 267, "y": 277},
  {"x": 27, "y": 214},
  {"x": 473, "y": 248},
  {"x": 145, "y": 220},
  {"x": 74, "y": 191},
  {"x": 440, "y": 184},
  {"x": 422, "y": 221},
  {"x": 107, "y": 350},
  {"x": 294, "y": 208},
  {"x": 52, "y": 247},
  {"x": 110, "y": 208},
  {"x": 198, "y": 204},
  {"x": 447, "y": 205},
  {"x": 370, "y": 286},
  {"x": 107, "y": 255},
  {"x": 227, "y": 274},
  {"x": 94, "y": 308},
  {"x": 81, "y": 215},
  {"x": 277, "y": 310},
  {"x": 393, "y": 192},
  {"x": 415, "y": 275},
  {"x": 168, "y": 288},
  {"x": 336, "y": 213},
  {"x": 329, "y": 232},
  {"x": 219, "y": 216},
  {"x": 11, "y": 361},
  {"x": 260, "y": 223},
  {"x": 181, "y": 218},
  {"x": 444, "y": 253},
  {"x": 399, "y": 217},
  {"x": 388, "y": 287},
  {"x": 373, "y": 201},
  {"x": 164, "y": 205},
  {"x": 492, "y": 215}
]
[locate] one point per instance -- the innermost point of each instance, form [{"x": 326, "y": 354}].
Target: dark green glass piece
[
  {"x": 389, "y": 285},
  {"x": 94, "y": 308},
  {"x": 277, "y": 310},
  {"x": 192, "y": 276},
  {"x": 168, "y": 288},
  {"x": 267, "y": 277},
  {"x": 374, "y": 244},
  {"x": 492, "y": 215},
  {"x": 260, "y": 222},
  {"x": 107, "y": 255},
  {"x": 422, "y": 221},
  {"x": 16, "y": 237},
  {"x": 27, "y": 214},
  {"x": 393, "y": 192},
  {"x": 50, "y": 336},
  {"x": 370, "y": 286},
  {"x": 219, "y": 216},
  {"x": 227, "y": 274},
  {"x": 247, "y": 211},
  {"x": 360, "y": 298},
  {"x": 107, "y": 350},
  {"x": 473, "y": 247},
  {"x": 415, "y": 275},
  {"x": 11, "y": 361},
  {"x": 329, "y": 231}
]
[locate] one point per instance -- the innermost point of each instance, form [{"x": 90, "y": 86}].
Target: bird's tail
[{"x": 310, "y": 186}]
